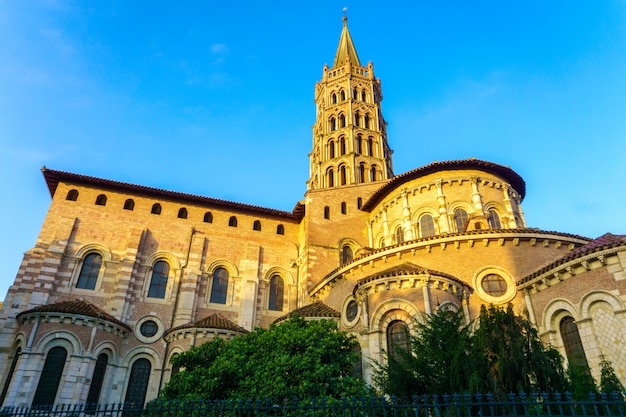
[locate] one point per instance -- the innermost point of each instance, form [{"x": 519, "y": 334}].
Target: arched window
[
  {"x": 208, "y": 217},
  {"x": 342, "y": 120},
  {"x": 399, "y": 235},
  {"x": 366, "y": 121},
  {"x": 363, "y": 96},
  {"x": 397, "y": 338},
  {"x": 344, "y": 209},
  {"x": 219, "y": 287},
  {"x": 359, "y": 144},
  {"x": 182, "y": 213},
  {"x": 101, "y": 200},
  {"x": 129, "y": 204},
  {"x": 354, "y": 93},
  {"x": 346, "y": 254},
  {"x": 573, "y": 344},
  {"x": 326, "y": 212},
  {"x": 342, "y": 95},
  {"x": 232, "y": 222},
  {"x": 342, "y": 145},
  {"x": 332, "y": 123},
  {"x": 50, "y": 377},
  {"x": 359, "y": 203},
  {"x": 333, "y": 98},
  {"x": 156, "y": 208},
  {"x": 361, "y": 172},
  {"x": 460, "y": 220},
  {"x": 370, "y": 147},
  {"x": 280, "y": 229},
  {"x": 72, "y": 195},
  {"x": 256, "y": 225},
  {"x": 357, "y": 368},
  {"x": 494, "y": 220},
  {"x": 89, "y": 272},
  {"x": 138, "y": 383},
  {"x": 357, "y": 119},
  {"x": 342, "y": 175},
  {"x": 277, "y": 289},
  {"x": 427, "y": 226},
  {"x": 158, "y": 281},
  {"x": 175, "y": 368},
  {"x": 97, "y": 379},
  {"x": 9, "y": 378},
  {"x": 331, "y": 178},
  {"x": 331, "y": 149},
  {"x": 373, "y": 172}
]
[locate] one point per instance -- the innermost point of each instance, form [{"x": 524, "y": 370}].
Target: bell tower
[{"x": 349, "y": 135}]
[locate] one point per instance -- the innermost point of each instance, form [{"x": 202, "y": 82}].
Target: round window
[
  {"x": 352, "y": 310},
  {"x": 494, "y": 285},
  {"x": 148, "y": 328}
]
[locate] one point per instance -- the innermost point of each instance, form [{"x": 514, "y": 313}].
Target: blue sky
[{"x": 216, "y": 98}]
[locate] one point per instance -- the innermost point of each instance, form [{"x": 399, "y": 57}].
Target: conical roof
[
  {"x": 346, "y": 48},
  {"x": 78, "y": 307}
]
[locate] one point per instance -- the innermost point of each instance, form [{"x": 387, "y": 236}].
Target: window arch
[
  {"x": 373, "y": 173},
  {"x": 72, "y": 195},
  {"x": 342, "y": 95},
  {"x": 9, "y": 378},
  {"x": 331, "y": 177},
  {"x": 326, "y": 212},
  {"x": 182, "y": 213},
  {"x": 357, "y": 118},
  {"x": 370, "y": 147},
  {"x": 363, "y": 96},
  {"x": 129, "y": 204},
  {"x": 89, "y": 271},
  {"x": 333, "y": 98},
  {"x": 50, "y": 377},
  {"x": 366, "y": 121},
  {"x": 219, "y": 286},
  {"x": 175, "y": 367},
  {"x": 427, "y": 226},
  {"x": 280, "y": 229},
  {"x": 399, "y": 235},
  {"x": 347, "y": 255},
  {"x": 397, "y": 338},
  {"x": 156, "y": 208},
  {"x": 232, "y": 222},
  {"x": 344, "y": 209},
  {"x": 208, "y": 217},
  {"x": 572, "y": 343},
  {"x": 101, "y": 200},
  {"x": 342, "y": 145},
  {"x": 256, "y": 225},
  {"x": 494, "y": 219},
  {"x": 277, "y": 290},
  {"x": 354, "y": 93},
  {"x": 342, "y": 175},
  {"x": 331, "y": 149},
  {"x": 359, "y": 202},
  {"x": 460, "y": 219},
  {"x": 97, "y": 379},
  {"x": 342, "y": 120},
  {"x": 362, "y": 172},
  {"x": 138, "y": 383},
  {"x": 359, "y": 144},
  {"x": 332, "y": 123},
  {"x": 158, "y": 281}
]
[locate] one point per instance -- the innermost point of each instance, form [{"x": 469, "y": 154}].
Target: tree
[
  {"x": 293, "y": 359},
  {"x": 509, "y": 356},
  {"x": 609, "y": 382},
  {"x": 437, "y": 362}
]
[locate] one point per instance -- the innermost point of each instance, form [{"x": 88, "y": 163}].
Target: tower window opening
[
  {"x": 346, "y": 254},
  {"x": 359, "y": 144},
  {"x": 208, "y": 217},
  {"x": 182, "y": 213},
  {"x": 342, "y": 145},
  {"x": 344, "y": 210},
  {"x": 331, "y": 178},
  {"x": 232, "y": 222},
  {"x": 373, "y": 172},
  {"x": 257, "y": 225},
  {"x": 333, "y": 98},
  {"x": 331, "y": 149},
  {"x": 366, "y": 121},
  {"x": 399, "y": 235},
  {"x": 280, "y": 229},
  {"x": 327, "y": 212},
  {"x": 332, "y": 123},
  {"x": 342, "y": 120},
  {"x": 363, "y": 96},
  {"x": 342, "y": 175},
  {"x": 156, "y": 208},
  {"x": 342, "y": 95},
  {"x": 359, "y": 203},
  {"x": 357, "y": 118},
  {"x": 72, "y": 195},
  {"x": 460, "y": 219},
  {"x": 427, "y": 226},
  {"x": 494, "y": 220},
  {"x": 370, "y": 147},
  {"x": 361, "y": 172},
  {"x": 101, "y": 200},
  {"x": 354, "y": 93},
  {"x": 129, "y": 204}
]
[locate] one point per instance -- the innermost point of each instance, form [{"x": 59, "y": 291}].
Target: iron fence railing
[{"x": 458, "y": 405}]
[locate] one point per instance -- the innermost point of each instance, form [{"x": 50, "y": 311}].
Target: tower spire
[{"x": 346, "y": 47}]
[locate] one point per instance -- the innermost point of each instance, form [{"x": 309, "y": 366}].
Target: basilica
[{"x": 123, "y": 277}]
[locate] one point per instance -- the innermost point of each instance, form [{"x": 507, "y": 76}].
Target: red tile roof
[
  {"x": 79, "y": 307},
  {"x": 606, "y": 241},
  {"x": 213, "y": 321},
  {"x": 507, "y": 173},
  {"x": 53, "y": 178},
  {"x": 315, "y": 310}
]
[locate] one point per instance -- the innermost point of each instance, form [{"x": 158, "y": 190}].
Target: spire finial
[{"x": 345, "y": 15}]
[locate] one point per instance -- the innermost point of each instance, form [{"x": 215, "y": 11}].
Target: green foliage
[
  {"x": 294, "y": 359},
  {"x": 505, "y": 354},
  {"x": 581, "y": 383},
  {"x": 509, "y": 356},
  {"x": 609, "y": 382},
  {"x": 437, "y": 362}
]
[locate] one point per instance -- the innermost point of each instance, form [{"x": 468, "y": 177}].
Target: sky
[{"x": 215, "y": 98}]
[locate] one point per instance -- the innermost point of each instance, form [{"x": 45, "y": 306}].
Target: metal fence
[{"x": 535, "y": 404}]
